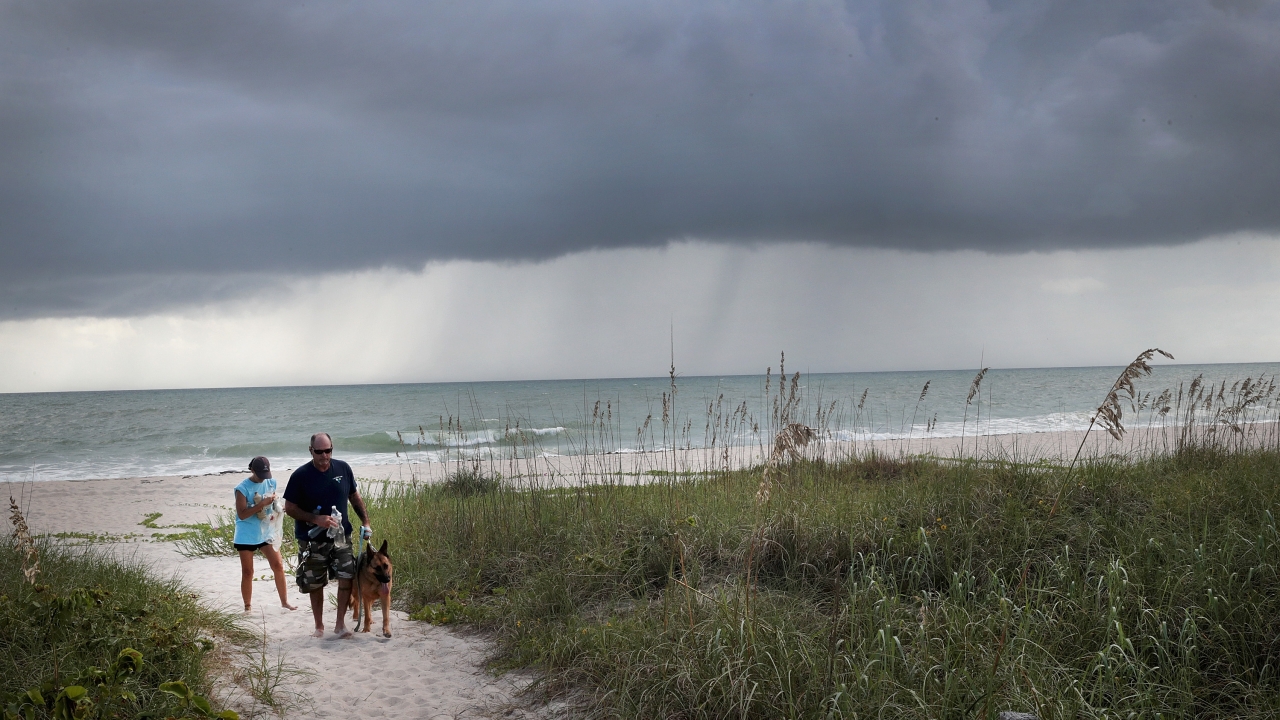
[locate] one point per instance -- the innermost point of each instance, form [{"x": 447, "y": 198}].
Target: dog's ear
[
  {"x": 383, "y": 550},
  {"x": 368, "y": 548}
]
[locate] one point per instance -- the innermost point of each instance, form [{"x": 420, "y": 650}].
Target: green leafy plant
[
  {"x": 189, "y": 700},
  {"x": 100, "y": 693}
]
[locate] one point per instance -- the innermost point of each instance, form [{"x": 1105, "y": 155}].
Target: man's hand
[
  {"x": 366, "y": 531},
  {"x": 297, "y": 513}
]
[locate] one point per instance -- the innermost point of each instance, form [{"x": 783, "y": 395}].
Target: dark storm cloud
[{"x": 154, "y": 139}]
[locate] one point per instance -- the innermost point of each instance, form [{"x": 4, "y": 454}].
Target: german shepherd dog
[{"x": 372, "y": 581}]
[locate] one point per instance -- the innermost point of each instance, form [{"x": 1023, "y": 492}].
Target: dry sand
[{"x": 422, "y": 671}]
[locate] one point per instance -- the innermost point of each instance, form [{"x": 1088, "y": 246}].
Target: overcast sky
[{"x": 193, "y": 194}]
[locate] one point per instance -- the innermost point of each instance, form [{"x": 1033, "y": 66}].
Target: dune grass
[
  {"x": 134, "y": 646},
  {"x": 216, "y": 538},
  {"x": 872, "y": 587}
]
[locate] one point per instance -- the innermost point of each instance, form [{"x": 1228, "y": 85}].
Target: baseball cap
[{"x": 261, "y": 467}]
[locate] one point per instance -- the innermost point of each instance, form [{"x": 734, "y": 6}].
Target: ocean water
[{"x": 81, "y": 435}]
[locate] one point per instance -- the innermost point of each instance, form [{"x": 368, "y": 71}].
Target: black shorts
[{"x": 250, "y": 548}]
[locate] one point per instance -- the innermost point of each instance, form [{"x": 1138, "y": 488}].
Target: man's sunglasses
[{"x": 326, "y": 451}]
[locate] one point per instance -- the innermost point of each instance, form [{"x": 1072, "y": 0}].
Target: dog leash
[{"x": 357, "y": 594}]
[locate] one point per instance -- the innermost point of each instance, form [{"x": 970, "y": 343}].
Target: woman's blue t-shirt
[{"x": 255, "y": 529}]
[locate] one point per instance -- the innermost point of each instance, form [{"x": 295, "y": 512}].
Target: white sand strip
[{"x": 540, "y": 470}]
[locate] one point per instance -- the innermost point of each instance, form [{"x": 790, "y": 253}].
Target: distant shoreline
[
  {"x": 661, "y": 378},
  {"x": 1043, "y": 446},
  {"x": 177, "y": 433}
]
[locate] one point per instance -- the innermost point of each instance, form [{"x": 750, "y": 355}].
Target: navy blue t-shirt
[{"x": 308, "y": 487}]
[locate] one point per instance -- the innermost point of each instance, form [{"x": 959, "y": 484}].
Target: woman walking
[{"x": 255, "y": 512}]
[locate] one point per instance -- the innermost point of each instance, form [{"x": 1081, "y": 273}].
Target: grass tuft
[{"x": 469, "y": 481}]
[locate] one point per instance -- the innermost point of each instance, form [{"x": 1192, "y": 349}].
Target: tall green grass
[
  {"x": 864, "y": 585},
  {"x": 872, "y": 587},
  {"x": 70, "y": 626}
]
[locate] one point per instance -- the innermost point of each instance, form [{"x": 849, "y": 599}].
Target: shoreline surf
[{"x": 163, "y": 433}]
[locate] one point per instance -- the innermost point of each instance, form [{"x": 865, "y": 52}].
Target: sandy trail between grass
[{"x": 422, "y": 671}]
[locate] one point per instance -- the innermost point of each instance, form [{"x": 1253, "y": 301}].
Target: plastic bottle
[
  {"x": 336, "y": 532},
  {"x": 315, "y": 530}
]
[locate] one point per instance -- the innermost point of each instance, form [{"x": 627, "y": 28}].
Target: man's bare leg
[
  {"x": 317, "y": 611},
  {"x": 344, "y": 594}
]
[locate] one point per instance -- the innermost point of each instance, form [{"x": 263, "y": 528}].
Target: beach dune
[{"x": 426, "y": 671}]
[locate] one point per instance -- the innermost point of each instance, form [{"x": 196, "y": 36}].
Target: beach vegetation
[
  {"x": 270, "y": 681},
  {"x": 471, "y": 480},
  {"x": 92, "y": 538},
  {"x": 85, "y": 635},
  {"x": 865, "y": 584},
  {"x": 216, "y": 538},
  {"x": 185, "y": 530},
  {"x": 925, "y": 588}
]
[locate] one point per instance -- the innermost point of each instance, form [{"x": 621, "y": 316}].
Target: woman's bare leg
[
  {"x": 246, "y": 578},
  {"x": 277, "y": 570}
]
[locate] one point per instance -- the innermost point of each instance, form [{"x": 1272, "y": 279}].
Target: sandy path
[{"x": 423, "y": 671}]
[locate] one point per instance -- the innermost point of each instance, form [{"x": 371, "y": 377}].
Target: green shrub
[{"x": 96, "y": 637}]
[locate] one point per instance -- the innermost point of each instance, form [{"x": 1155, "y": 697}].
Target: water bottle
[
  {"x": 315, "y": 530},
  {"x": 335, "y": 532},
  {"x": 264, "y": 513}
]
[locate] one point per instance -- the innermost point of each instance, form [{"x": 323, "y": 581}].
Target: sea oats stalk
[
  {"x": 974, "y": 388},
  {"x": 25, "y": 544},
  {"x": 923, "y": 392},
  {"x": 1110, "y": 414}
]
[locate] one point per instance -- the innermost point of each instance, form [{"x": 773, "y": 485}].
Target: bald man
[{"x": 313, "y": 491}]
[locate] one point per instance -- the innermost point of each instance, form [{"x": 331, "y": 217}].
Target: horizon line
[{"x": 598, "y": 379}]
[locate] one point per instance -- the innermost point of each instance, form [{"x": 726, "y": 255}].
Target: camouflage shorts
[{"x": 319, "y": 561}]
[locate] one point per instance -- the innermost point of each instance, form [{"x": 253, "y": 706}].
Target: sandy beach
[{"x": 423, "y": 671}]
